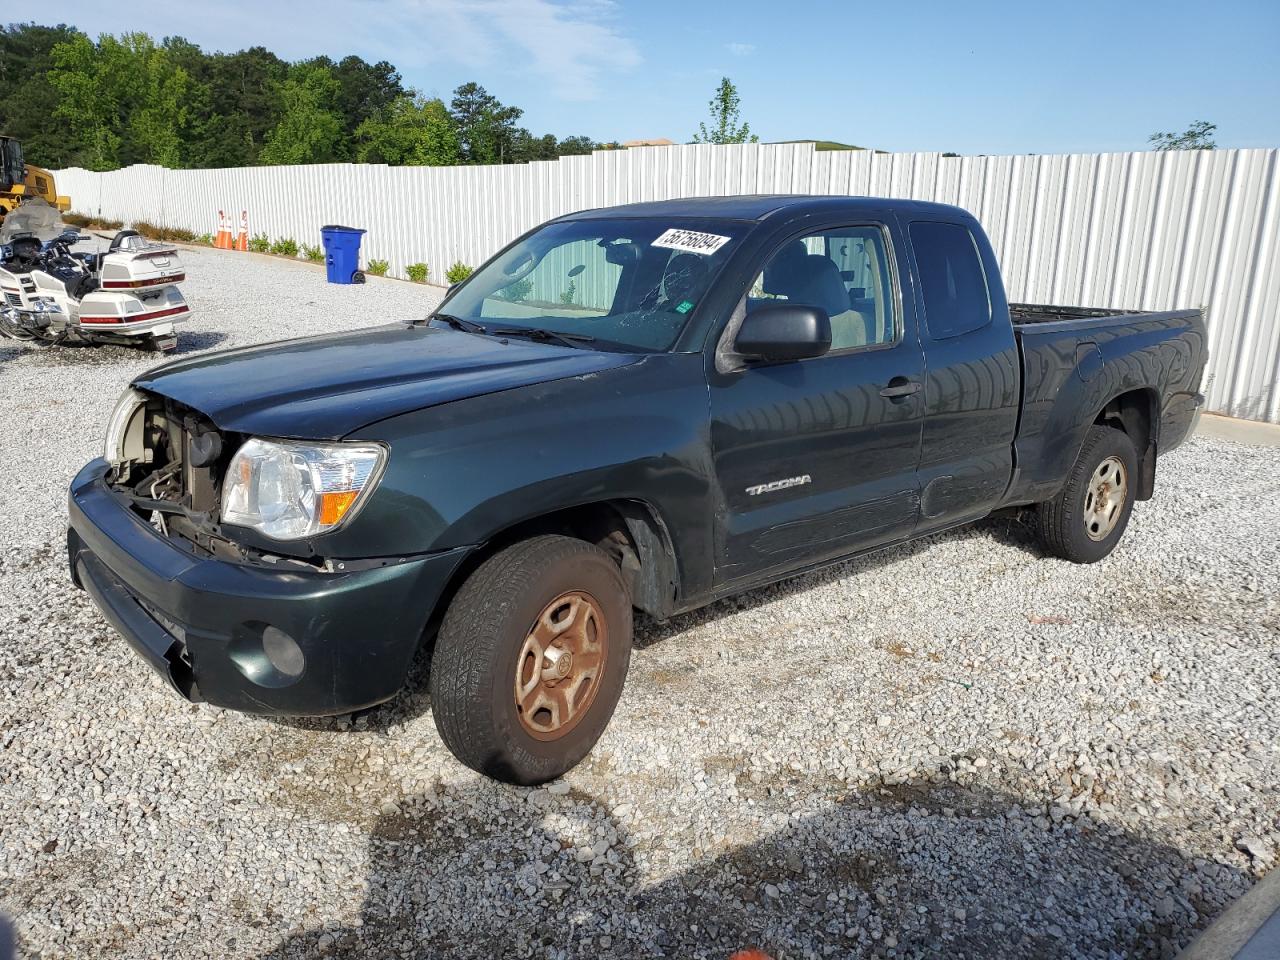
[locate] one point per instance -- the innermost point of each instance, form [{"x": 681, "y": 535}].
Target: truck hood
[{"x": 323, "y": 388}]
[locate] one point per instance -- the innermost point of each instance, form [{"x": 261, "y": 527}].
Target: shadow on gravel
[
  {"x": 203, "y": 340},
  {"x": 1002, "y": 530},
  {"x": 414, "y": 700},
  {"x": 915, "y": 870}
]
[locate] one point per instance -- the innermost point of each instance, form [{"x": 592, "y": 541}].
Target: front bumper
[{"x": 213, "y": 628}]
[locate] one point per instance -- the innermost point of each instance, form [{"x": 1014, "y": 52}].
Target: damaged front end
[
  {"x": 225, "y": 614},
  {"x": 169, "y": 462}
]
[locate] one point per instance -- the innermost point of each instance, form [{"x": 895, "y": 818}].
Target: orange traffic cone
[
  {"x": 223, "y": 240},
  {"x": 242, "y": 238}
]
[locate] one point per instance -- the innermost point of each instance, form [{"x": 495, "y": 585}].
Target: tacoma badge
[{"x": 778, "y": 485}]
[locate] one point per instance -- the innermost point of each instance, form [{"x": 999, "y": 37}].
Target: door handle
[{"x": 900, "y": 388}]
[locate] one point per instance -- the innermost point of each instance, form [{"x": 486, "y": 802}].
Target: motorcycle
[{"x": 50, "y": 293}]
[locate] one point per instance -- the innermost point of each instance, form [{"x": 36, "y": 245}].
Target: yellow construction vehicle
[{"x": 19, "y": 180}]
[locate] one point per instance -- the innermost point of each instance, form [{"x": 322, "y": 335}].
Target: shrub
[
  {"x": 156, "y": 232},
  {"x": 260, "y": 243},
  {"x": 206, "y": 239},
  {"x": 284, "y": 247},
  {"x": 90, "y": 223},
  {"x": 417, "y": 272},
  {"x": 566, "y": 296},
  {"x": 458, "y": 272},
  {"x": 313, "y": 253},
  {"x": 377, "y": 267}
]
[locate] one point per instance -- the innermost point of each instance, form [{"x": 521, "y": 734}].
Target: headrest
[
  {"x": 780, "y": 272},
  {"x": 820, "y": 285}
]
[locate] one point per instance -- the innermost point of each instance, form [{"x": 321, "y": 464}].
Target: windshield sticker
[
  {"x": 690, "y": 241},
  {"x": 684, "y": 306}
]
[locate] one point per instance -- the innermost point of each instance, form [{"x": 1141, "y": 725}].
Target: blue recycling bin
[{"x": 342, "y": 253}]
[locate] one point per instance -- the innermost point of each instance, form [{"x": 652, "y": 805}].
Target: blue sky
[{"x": 976, "y": 77}]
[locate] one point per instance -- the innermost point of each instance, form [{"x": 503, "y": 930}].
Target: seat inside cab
[{"x": 843, "y": 272}]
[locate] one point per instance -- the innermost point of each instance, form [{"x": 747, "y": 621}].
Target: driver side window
[{"x": 845, "y": 272}]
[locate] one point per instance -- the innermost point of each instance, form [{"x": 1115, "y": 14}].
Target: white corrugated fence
[{"x": 1146, "y": 231}]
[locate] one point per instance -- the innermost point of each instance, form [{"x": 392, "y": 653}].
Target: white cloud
[
  {"x": 741, "y": 49},
  {"x": 569, "y": 44}
]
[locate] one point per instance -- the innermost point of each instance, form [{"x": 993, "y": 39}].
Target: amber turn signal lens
[{"x": 334, "y": 505}]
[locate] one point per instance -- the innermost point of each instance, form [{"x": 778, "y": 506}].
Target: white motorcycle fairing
[{"x": 124, "y": 296}]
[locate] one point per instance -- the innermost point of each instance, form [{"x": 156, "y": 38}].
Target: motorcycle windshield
[{"x": 32, "y": 217}]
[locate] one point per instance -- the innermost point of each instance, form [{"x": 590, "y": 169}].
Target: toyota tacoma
[{"x": 644, "y": 407}]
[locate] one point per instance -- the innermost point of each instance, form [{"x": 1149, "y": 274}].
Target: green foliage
[
  {"x": 458, "y": 272},
  {"x": 309, "y": 129},
  {"x": 1198, "y": 136},
  {"x": 567, "y": 295},
  {"x": 259, "y": 243},
  {"x": 486, "y": 128},
  {"x": 160, "y": 232},
  {"x": 725, "y": 115},
  {"x": 418, "y": 272},
  {"x": 90, "y": 223},
  {"x": 284, "y": 247},
  {"x": 377, "y": 267},
  {"x": 124, "y": 99},
  {"x": 410, "y": 131},
  {"x": 313, "y": 253},
  {"x": 29, "y": 102},
  {"x": 206, "y": 239}
]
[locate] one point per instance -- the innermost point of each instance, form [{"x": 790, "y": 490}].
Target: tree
[
  {"x": 29, "y": 102},
  {"x": 576, "y": 146},
  {"x": 309, "y": 126},
  {"x": 486, "y": 127},
  {"x": 1198, "y": 136},
  {"x": 410, "y": 131},
  {"x": 157, "y": 114},
  {"x": 725, "y": 114}
]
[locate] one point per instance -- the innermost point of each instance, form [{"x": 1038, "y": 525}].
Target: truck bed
[
  {"x": 1074, "y": 359},
  {"x": 1028, "y": 313}
]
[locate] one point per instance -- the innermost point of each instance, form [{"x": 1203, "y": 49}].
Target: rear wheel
[
  {"x": 1086, "y": 520},
  {"x": 531, "y": 659}
]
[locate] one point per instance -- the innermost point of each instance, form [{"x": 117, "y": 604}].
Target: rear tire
[
  {"x": 1087, "y": 518},
  {"x": 531, "y": 658}
]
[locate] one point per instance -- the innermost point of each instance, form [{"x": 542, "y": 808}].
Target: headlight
[
  {"x": 288, "y": 491},
  {"x": 122, "y": 441}
]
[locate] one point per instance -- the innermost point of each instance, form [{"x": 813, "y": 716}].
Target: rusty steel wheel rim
[
  {"x": 1104, "y": 501},
  {"x": 560, "y": 665}
]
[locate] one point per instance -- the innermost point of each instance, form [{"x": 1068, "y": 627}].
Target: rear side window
[{"x": 956, "y": 300}]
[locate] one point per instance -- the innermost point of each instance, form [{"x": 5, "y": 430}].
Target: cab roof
[{"x": 756, "y": 207}]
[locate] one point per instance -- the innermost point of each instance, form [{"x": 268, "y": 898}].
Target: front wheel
[
  {"x": 531, "y": 658},
  {"x": 1087, "y": 518}
]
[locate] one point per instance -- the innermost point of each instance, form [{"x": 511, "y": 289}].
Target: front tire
[
  {"x": 1087, "y": 518},
  {"x": 531, "y": 658}
]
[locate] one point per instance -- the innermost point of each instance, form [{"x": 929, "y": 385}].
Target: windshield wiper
[
  {"x": 470, "y": 326},
  {"x": 543, "y": 334}
]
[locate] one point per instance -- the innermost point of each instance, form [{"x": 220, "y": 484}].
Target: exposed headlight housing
[
  {"x": 290, "y": 491},
  {"x": 124, "y": 430}
]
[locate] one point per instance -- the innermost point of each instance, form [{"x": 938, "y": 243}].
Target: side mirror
[{"x": 776, "y": 333}]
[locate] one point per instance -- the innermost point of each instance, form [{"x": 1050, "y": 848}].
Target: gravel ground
[{"x": 958, "y": 747}]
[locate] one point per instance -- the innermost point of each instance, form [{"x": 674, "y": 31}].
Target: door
[
  {"x": 973, "y": 390},
  {"x": 817, "y": 458}
]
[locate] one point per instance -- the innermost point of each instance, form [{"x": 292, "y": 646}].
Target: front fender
[{"x": 462, "y": 472}]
